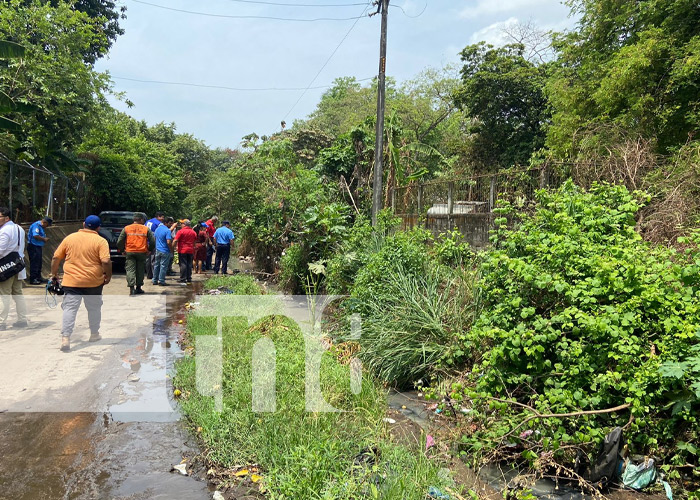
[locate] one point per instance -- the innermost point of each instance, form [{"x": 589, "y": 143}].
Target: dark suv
[{"x": 112, "y": 225}]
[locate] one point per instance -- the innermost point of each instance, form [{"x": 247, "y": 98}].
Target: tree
[
  {"x": 631, "y": 66},
  {"x": 128, "y": 171},
  {"x": 105, "y": 16},
  {"x": 9, "y": 50},
  {"x": 52, "y": 77},
  {"x": 503, "y": 92}
]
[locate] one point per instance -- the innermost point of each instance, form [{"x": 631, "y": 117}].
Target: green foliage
[
  {"x": 353, "y": 252},
  {"x": 581, "y": 314},
  {"x": 238, "y": 284},
  {"x": 294, "y": 267},
  {"x": 451, "y": 249},
  {"x": 323, "y": 227},
  {"x": 105, "y": 15},
  {"x": 407, "y": 328},
  {"x": 344, "y": 106},
  {"x": 301, "y": 454},
  {"x": 403, "y": 253},
  {"x": 130, "y": 172},
  {"x": 52, "y": 77},
  {"x": 411, "y": 306},
  {"x": 339, "y": 158},
  {"x": 629, "y": 65},
  {"x": 281, "y": 190},
  {"x": 503, "y": 92}
]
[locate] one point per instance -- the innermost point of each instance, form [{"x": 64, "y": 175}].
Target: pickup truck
[{"x": 112, "y": 225}]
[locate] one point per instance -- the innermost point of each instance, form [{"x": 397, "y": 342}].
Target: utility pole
[{"x": 383, "y": 7}]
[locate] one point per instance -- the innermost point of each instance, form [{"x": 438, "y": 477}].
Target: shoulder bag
[{"x": 12, "y": 263}]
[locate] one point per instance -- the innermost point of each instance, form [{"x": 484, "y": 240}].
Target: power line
[
  {"x": 404, "y": 12},
  {"x": 222, "y": 87},
  {"x": 228, "y": 16},
  {"x": 326, "y": 63},
  {"x": 259, "y": 2}
]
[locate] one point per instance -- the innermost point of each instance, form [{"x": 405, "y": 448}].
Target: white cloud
[
  {"x": 492, "y": 7},
  {"x": 494, "y": 33}
]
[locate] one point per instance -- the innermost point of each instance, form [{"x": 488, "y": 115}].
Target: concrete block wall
[{"x": 55, "y": 233}]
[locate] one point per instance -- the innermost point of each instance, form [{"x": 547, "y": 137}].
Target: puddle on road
[
  {"x": 145, "y": 396},
  {"x": 124, "y": 454}
]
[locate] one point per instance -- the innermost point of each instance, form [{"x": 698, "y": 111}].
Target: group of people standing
[
  {"x": 161, "y": 237},
  {"x": 149, "y": 247}
]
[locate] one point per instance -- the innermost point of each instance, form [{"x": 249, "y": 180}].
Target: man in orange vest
[{"x": 137, "y": 241}]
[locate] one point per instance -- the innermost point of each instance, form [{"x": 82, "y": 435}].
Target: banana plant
[
  {"x": 400, "y": 157},
  {"x": 11, "y": 50}
]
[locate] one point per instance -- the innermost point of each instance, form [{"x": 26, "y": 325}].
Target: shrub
[
  {"x": 407, "y": 328},
  {"x": 451, "y": 249},
  {"x": 403, "y": 252},
  {"x": 293, "y": 267},
  {"x": 581, "y": 314},
  {"x": 412, "y": 307},
  {"x": 353, "y": 252}
]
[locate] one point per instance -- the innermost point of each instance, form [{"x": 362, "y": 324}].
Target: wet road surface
[{"x": 123, "y": 452}]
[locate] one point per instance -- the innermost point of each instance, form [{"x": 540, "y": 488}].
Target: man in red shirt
[
  {"x": 211, "y": 223},
  {"x": 185, "y": 238}
]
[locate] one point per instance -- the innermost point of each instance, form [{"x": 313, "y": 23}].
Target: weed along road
[{"x": 96, "y": 422}]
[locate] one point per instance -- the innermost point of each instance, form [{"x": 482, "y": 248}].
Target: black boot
[
  {"x": 131, "y": 290},
  {"x": 139, "y": 290}
]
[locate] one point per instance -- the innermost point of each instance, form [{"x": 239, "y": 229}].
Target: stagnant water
[{"x": 118, "y": 454}]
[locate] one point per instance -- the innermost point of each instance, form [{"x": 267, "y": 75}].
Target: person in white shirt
[{"x": 12, "y": 240}]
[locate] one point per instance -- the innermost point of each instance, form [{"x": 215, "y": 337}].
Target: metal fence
[
  {"x": 467, "y": 204},
  {"x": 32, "y": 192}
]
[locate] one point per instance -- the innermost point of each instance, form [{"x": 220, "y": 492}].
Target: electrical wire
[
  {"x": 259, "y": 2},
  {"x": 228, "y": 16},
  {"x": 221, "y": 87},
  {"x": 404, "y": 12},
  {"x": 50, "y": 298},
  {"x": 326, "y": 63}
]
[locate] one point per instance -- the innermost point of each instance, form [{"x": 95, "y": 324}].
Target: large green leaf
[
  {"x": 10, "y": 50},
  {"x": 7, "y": 105},
  {"x": 5, "y": 102},
  {"x": 7, "y": 124}
]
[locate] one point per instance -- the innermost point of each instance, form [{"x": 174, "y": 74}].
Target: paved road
[{"x": 97, "y": 422}]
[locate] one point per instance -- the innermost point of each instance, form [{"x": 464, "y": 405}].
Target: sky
[{"x": 249, "y": 55}]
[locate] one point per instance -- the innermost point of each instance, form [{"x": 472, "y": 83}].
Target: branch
[
  {"x": 347, "y": 187},
  {"x": 538, "y": 415}
]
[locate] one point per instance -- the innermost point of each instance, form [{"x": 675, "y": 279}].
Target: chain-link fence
[
  {"x": 467, "y": 204},
  {"x": 33, "y": 192}
]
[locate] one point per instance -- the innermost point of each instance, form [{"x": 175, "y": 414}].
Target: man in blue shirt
[
  {"x": 164, "y": 244},
  {"x": 222, "y": 239},
  {"x": 37, "y": 240},
  {"x": 153, "y": 224}
]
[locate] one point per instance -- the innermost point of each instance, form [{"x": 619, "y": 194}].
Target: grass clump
[
  {"x": 415, "y": 300},
  {"x": 301, "y": 454},
  {"x": 240, "y": 284}
]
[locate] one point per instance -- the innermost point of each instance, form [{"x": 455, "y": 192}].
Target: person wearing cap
[
  {"x": 35, "y": 248},
  {"x": 185, "y": 238},
  {"x": 87, "y": 268},
  {"x": 136, "y": 241},
  {"x": 222, "y": 239},
  {"x": 12, "y": 240}
]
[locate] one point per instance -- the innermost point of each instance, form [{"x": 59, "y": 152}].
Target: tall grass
[
  {"x": 407, "y": 328},
  {"x": 302, "y": 455}
]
